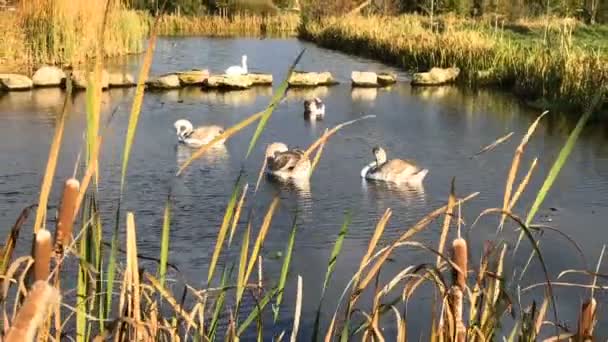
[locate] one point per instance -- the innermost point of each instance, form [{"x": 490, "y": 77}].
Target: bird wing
[
  {"x": 206, "y": 133},
  {"x": 398, "y": 167},
  {"x": 284, "y": 161}
]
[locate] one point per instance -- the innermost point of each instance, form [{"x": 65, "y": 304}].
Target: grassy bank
[
  {"x": 238, "y": 25},
  {"x": 122, "y": 295},
  {"x": 58, "y": 32},
  {"x": 558, "y": 60}
]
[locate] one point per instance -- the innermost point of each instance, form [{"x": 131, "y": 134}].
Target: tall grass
[
  {"x": 60, "y": 31},
  {"x": 472, "y": 306},
  {"x": 242, "y": 25},
  {"x": 564, "y": 68}
]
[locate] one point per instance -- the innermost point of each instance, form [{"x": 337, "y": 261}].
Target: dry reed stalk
[
  {"x": 132, "y": 274},
  {"x": 65, "y": 223},
  {"x": 456, "y": 295},
  {"x": 43, "y": 249},
  {"x": 41, "y": 298},
  {"x": 298, "y": 311},
  {"x": 515, "y": 166},
  {"x": 237, "y": 213},
  {"x": 331, "y": 132},
  {"x": 460, "y": 258},
  {"x": 447, "y": 220},
  {"x": 586, "y": 320}
]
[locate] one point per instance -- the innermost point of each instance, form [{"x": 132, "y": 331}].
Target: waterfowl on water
[
  {"x": 196, "y": 137},
  {"x": 394, "y": 170},
  {"x": 314, "y": 109},
  {"x": 284, "y": 163},
  {"x": 236, "y": 70}
]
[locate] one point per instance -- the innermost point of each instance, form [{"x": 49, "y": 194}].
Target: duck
[
  {"x": 394, "y": 170},
  {"x": 236, "y": 70},
  {"x": 283, "y": 163},
  {"x": 196, "y": 137},
  {"x": 314, "y": 109}
]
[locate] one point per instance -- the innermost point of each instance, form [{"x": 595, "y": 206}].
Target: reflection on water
[
  {"x": 435, "y": 93},
  {"x": 214, "y": 157},
  {"x": 234, "y": 98},
  {"x": 364, "y": 94},
  {"x": 439, "y": 127},
  {"x": 303, "y": 94}
]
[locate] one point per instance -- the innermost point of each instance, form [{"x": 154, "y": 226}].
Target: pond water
[{"x": 440, "y": 128}]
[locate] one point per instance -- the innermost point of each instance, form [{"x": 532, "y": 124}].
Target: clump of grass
[
  {"x": 561, "y": 68},
  {"x": 60, "y": 31},
  {"x": 240, "y": 24}
]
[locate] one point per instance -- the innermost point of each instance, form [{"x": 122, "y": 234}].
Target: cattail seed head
[
  {"x": 42, "y": 255},
  {"x": 66, "y": 214},
  {"x": 586, "y": 320},
  {"x": 460, "y": 258},
  {"x": 41, "y": 298}
]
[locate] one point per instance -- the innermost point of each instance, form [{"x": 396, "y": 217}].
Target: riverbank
[
  {"x": 565, "y": 66},
  {"x": 284, "y": 25},
  {"x": 35, "y": 36}
]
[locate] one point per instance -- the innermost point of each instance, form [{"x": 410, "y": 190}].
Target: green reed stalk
[
  {"x": 284, "y": 271},
  {"x": 164, "y": 242},
  {"x": 221, "y": 235},
  {"x": 335, "y": 252}
]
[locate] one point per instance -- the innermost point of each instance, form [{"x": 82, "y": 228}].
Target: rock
[
  {"x": 12, "y": 82},
  {"x": 435, "y": 76},
  {"x": 386, "y": 79},
  {"x": 364, "y": 79},
  {"x": 48, "y": 76},
  {"x": 228, "y": 82},
  {"x": 121, "y": 80},
  {"x": 193, "y": 77},
  {"x": 170, "y": 81},
  {"x": 79, "y": 79},
  {"x": 311, "y": 79},
  {"x": 260, "y": 79}
]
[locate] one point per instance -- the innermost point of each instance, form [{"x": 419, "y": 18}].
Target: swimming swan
[
  {"x": 198, "y": 137},
  {"x": 236, "y": 70},
  {"x": 284, "y": 163},
  {"x": 314, "y": 109},
  {"x": 395, "y": 170}
]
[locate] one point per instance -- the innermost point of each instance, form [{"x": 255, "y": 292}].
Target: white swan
[
  {"x": 191, "y": 137},
  {"x": 314, "y": 109},
  {"x": 284, "y": 163},
  {"x": 395, "y": 170},
  {"x": 236, "y": 70}
]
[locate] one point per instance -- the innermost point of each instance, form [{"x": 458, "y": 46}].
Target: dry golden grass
[
  {"x": 60, "y": 31},
  {"x": 559, "y": 63},
  {"x": 248, "y": 25}
]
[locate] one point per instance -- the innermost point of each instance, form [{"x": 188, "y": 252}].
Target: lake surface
[{"x": 440, "y": 127}]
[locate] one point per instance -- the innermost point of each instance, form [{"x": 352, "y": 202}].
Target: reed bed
[
  {"x": 117, "y": 298},
  {"x": 553, "y": 62},
  {"x": 220, "y": 26},
  {"x": 60, "y": 31}
]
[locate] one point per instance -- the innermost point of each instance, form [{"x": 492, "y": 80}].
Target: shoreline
[{"x": 542, "y": 80}]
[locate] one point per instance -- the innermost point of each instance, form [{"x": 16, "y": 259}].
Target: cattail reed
[
  {"x": 457, "y": 310},
  {"x": 65, "y": 223},
  {"x": 586, "y": 320},
  {"x": 43, "y": 247},
  {"x": 460, "y": 258},
  {"x": 40, "y": 300}
]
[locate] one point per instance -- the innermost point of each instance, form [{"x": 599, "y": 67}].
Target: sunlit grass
[{"x": 566, "y": 65}]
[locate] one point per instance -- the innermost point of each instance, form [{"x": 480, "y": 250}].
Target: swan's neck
[
  {"x": 244, "y": 66},
  {"x": 369, "y": 167}
]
